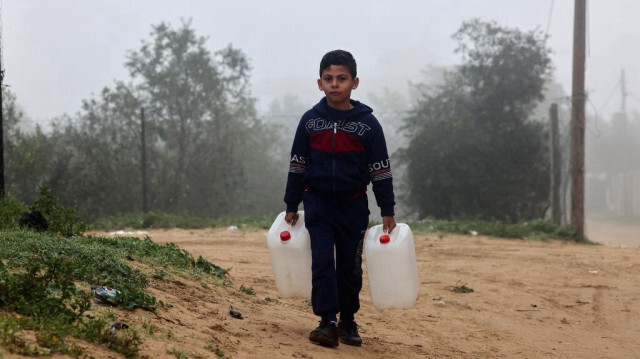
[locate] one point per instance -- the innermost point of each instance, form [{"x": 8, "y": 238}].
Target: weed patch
[
  {"x": 462, "y": 289},
  {"x": 247, "y": 290},
  {"x": 165, "y": 220},
  {"x": 45, "y": 280},
  {"x": 536, "y": 229},
  {"x": 63, "y": 221}
]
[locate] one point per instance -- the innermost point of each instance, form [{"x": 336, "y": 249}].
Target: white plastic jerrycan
[
  {"x": 290, "y": 251},
  {"x": 391, "y": 267}
]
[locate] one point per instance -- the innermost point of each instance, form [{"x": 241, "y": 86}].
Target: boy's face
[{"x": 336, "y": 83}]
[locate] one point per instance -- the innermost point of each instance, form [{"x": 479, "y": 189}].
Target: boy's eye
[{"x": 339, "y": 78}]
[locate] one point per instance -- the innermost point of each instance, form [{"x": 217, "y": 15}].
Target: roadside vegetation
[
  {"x": 164, "y": 221},
  {"x": 49, "y": 282},
  {"x": 537, "y": 229}
]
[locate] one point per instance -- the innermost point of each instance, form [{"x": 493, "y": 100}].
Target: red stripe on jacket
[{"x": 344, "y": 142}]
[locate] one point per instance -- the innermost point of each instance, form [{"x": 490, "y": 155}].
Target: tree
[
  {"x": 390, "y": 107},
  {"x": 26, "y": 152},
  {"x": 207, "y": 153},
  {"x": 101, "y": 173},
  {"x": 204, "y": 113},
  {"x": 11, "y": 113},
  {"x": 283, "y": 116},
  {"x": 473, "y": 149}
]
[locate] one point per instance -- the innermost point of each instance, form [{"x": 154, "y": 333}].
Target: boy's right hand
[{"x": 291, "y": 218}]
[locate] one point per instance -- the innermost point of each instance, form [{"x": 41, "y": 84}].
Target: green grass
[
  {"x": 61, "y": 221},
  {"x": 45, "y": 285},
  {"x": 178, "y": 353},
  {"x": 166, "y": 221},
  {"x": 247, "y": 290},
  {"x": 536, "y": 229}
]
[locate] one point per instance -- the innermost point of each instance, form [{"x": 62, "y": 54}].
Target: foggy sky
[{"x": 57, "y": 53}]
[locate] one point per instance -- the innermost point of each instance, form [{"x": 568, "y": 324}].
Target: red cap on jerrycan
[
  {"x": 285, "y": 236},
  {"x": 384, "y": 238}
]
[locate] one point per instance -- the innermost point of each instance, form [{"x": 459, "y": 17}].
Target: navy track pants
[{"x": 336, "y": 281}]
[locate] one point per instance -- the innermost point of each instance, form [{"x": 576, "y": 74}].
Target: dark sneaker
[
  {"x": 348, "y": 332},
  {"x": 326, "y": 334}
]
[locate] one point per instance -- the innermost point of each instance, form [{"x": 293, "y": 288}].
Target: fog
[{"x": 57, "y": 53}]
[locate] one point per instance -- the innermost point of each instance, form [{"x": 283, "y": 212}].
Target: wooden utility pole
[
  {"x": 623, "y": 90},
  {"x": 2, "y": 189},
  {"x": 143, "y": 161},
  {"x": 578, "y": 97},
  {"x": 556, "y": 165}
]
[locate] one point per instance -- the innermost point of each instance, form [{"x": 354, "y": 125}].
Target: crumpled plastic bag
[
  {"x": 234, "y": 313},
  {"x": 116, "y": 326},
  {"x": 105, "y": 295}
]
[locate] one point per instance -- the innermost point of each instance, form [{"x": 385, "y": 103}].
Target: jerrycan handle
[{"x": 384, "y": 239}]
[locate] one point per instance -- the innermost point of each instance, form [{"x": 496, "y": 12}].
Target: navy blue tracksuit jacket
[{"x": 335, "y": 155}]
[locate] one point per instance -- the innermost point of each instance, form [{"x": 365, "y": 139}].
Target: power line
[
  {"x": 633, "y": 96},
  {"x": 549, "y": 17},
  {"x": 596, "y": 119},
  {"x": 610, "y": 95}
]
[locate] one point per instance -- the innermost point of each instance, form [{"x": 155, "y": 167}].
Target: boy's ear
[
  {"x": 356, "y": 82},
  {"x": 320, "y": 84}
]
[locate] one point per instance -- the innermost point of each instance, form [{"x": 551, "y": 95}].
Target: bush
[
  {"x": 10, "y": 210},
  {"x": 62, "y": 221}
]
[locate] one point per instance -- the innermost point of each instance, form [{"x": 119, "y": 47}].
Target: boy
[{"x": 338, "y": 149}]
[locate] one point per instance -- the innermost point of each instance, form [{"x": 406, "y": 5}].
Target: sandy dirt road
[
  {"x": 614, "y": 233},
  {"x": 531, "y": 300}
]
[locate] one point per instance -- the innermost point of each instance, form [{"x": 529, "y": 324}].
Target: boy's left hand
[
  {"x": 291, "y": 218},
  {"x": 388, "y": 224}
]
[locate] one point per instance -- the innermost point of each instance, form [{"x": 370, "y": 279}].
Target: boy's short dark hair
[{"x": 339, "y": 57}]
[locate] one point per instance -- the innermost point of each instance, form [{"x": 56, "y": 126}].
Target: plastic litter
[
  {"x": 127, "y": 233},
  {"x": 34, "y": 220},
  {"x": 234, "y": 313},
  {"x": 105, "y": 295},
  {"x": 115, "y": 326}
]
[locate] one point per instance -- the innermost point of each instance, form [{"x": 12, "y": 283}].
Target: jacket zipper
[{"x": 333, "y": 152}]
